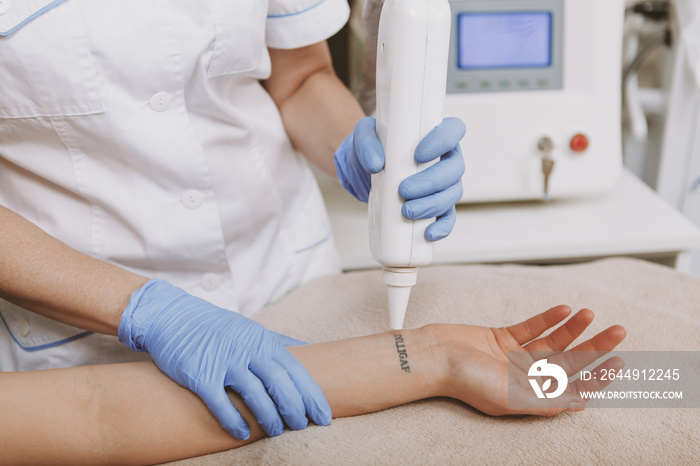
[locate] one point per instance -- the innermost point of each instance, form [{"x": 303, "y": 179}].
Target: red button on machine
[{"x": 579, "y": 143}]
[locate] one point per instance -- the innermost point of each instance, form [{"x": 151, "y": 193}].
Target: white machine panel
[{"x": 523, "y": 70}]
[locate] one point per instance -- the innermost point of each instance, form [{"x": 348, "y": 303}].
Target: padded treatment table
[{"x": 659, "y": 307}]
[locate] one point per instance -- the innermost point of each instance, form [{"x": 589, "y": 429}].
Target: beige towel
[{"x": 660, "y": 309}]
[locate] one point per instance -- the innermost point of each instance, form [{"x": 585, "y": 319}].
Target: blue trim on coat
[
  {"x": 30, "y": 18},
  {"x": 297, "y": 12},
  {"x": 318, "y": 243},
  {"x": 47, "y": 345}
]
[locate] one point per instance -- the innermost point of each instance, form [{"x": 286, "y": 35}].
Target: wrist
[
  {"x": 340, "y": 162},
  {"x": 438, "y": 351},
  {"x": 145, "y": 306},
  {"x": 433, "y": 358}
]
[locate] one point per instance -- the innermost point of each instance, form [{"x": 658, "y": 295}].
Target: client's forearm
[
  {"x": 367, "y": 374},
  {"x": 134, "y": 413}
]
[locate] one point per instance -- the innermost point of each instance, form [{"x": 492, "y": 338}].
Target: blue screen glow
[{"x": 505, "y": 40}]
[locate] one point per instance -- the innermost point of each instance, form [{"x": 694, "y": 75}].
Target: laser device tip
[
  {"x": 398, "y": 302},
  {"x": 399, "y": 281}
]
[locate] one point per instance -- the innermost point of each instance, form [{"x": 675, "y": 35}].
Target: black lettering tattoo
[{"x": 403, "y": 355}]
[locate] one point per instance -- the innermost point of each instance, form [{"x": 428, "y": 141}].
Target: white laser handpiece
[{"x": 412, "y": 54}]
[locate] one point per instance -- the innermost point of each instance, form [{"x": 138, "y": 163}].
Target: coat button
[
  {"x": 5, "y": 6},
  {"x": 192, "y": 199},
  {"x": 160, "y": 101},
  {"x": 23, "y": 326},
  {"x": 210, "y": 281}
]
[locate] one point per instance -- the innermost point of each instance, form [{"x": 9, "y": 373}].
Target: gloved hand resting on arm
[
  {"x": 205, "y": 348},
  {"x": 430, "y": 193}
]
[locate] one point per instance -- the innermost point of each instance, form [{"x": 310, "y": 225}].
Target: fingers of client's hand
[
  {"x": 598, "y": 383},
  {"x": 606, "y": 340},
  {"x": 576, "y": 388},
  {"x": 571, "y": 362},
  {"x": 587, "y": 352},
  {"x": 535, "y": 326},
  {"x": 562, "y": 337}
]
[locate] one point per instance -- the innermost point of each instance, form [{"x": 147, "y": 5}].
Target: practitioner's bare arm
[
  {"x": 317, "y": 109},
  {"x": 44, "y": 275},
  {"x": 99, "y": 414}
]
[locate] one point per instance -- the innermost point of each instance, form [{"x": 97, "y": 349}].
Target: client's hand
[{"x": 477, "y": 361}]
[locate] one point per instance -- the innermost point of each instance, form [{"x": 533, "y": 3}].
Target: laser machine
[{"x": 537, "y": 83}]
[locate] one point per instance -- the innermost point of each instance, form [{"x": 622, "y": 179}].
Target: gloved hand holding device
[
  {"x": 432, "y": 192},
  {"x": 206, "y": 349}
]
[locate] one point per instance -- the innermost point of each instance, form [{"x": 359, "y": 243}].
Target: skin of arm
[
  {"x": 317, "y": 109},
  {"x": 133, "y": 414},
  {"x": 44, "y": 275}
]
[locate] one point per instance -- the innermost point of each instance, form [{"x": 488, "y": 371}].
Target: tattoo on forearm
[{"x": 403, "y": 355}]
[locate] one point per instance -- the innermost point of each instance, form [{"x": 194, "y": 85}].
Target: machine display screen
[{"x": 504, "y": 40}]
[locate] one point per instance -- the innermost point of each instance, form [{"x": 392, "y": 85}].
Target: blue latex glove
[
  {"x": 430, "y": 193},
  {"x": 205, "y": 348}
]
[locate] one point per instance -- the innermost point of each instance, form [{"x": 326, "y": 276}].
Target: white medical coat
[{"x": 137, "y": 131}]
